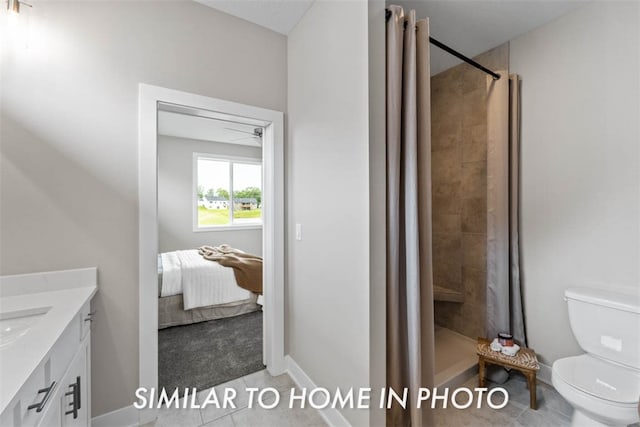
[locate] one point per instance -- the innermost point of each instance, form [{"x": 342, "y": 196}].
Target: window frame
[{"x": 194, "y": 187}]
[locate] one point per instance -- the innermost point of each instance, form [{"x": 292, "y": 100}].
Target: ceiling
[
  {"x": 277, "y": 15},
  {"x": 475, "y": 26},
  {"x": 206, "y": 129},
  {"x": 468, "y": 26}
]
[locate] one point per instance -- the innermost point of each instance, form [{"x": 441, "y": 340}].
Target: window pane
[
  {"x": 213, "y": 192},
  {"x": 247, "y": 193}
]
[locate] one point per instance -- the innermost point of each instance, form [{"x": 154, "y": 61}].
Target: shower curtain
[
  {"x": 410, "y": 324},
  {"x": 505, "y": 312}
]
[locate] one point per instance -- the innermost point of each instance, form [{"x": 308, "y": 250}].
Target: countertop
[{"x": 19, "y": 359}]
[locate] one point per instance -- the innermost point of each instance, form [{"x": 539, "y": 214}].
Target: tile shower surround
[{"x": 459, "y": 178}]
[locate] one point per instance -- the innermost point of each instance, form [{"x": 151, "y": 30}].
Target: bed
[{"x": 194, "y": 289}]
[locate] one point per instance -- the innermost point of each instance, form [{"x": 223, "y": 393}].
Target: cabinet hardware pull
[
  {"x": 75, "y": 402},
  {"x": 40, "y": 406},
  {"x": 89, "y": 317},
  {"x": 78, "y": 391}
]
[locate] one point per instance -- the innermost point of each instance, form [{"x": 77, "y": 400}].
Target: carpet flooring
[{"x": 206, "y": 354}]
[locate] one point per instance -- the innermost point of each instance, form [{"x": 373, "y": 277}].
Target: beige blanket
[{"x": 246, "y": 267}]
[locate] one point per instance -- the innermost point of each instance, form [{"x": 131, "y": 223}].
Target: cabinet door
[
  {"x": 74, "y": 401},
  {"x": 52, "y": 416}
]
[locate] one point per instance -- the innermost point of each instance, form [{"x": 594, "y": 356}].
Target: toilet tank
[{"x": 606, "y": 324}]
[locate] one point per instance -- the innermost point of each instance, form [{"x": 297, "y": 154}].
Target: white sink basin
[{"x": 16, "y": 324}]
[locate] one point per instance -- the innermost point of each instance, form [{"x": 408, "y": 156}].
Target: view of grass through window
[{"x": 229, "y": 192}]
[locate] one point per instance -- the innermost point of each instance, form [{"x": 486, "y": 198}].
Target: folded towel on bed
[
  {"x": 205, "y": 284},
  {"x": 212, "y": 251},
  {"x": 246, "y": 267}
]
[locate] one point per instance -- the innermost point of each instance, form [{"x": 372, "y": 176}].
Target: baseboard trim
[
  {"x": 332, "y": 416},
  {"x": 123, "y": 417},
  {"x": 544, "y": 374}
]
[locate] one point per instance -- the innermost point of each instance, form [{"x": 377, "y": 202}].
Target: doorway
[{"x": 153, "y": 102}]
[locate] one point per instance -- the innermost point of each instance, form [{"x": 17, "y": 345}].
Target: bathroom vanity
[{"x": 45, "y": 348}]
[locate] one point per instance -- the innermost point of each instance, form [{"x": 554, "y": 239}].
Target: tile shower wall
[{"x": 459, "y": 177}]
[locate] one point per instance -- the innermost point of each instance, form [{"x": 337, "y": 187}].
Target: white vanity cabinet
[
  {"x": 75, "y": 390},
  {"x": 68, "y": 368},
  {"x": 70, "y": 404},
  {"x": 57, "y": 392}
]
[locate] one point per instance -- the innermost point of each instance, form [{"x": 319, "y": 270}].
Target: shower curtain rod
[{"x": 455, "y": 53}]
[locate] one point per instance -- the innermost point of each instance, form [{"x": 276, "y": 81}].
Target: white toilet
[{"x": 602, "y": 385}]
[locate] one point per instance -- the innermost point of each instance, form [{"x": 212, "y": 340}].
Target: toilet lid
[{"x": 599, "y": 378}]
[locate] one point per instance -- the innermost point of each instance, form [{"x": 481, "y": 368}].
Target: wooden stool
[{"x": 525, "y": 361}]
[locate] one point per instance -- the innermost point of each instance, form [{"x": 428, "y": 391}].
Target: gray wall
[
  {"x": 68, "y": 166},
  {"x": 580, "y": 163},
  {"x": 175, "y": 196},
  {"x": 328, "y": 160}
]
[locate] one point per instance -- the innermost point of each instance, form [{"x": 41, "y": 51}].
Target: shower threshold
[{"x": 456, "y": 359}]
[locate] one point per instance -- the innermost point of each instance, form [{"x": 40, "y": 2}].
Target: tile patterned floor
[
  {"x": 280, "y": 416},
  {"x": 552, "y": 410}
]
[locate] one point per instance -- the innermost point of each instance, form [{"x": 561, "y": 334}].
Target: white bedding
[
  {"x": 171, "y": 274},
  {"x": 201, "y": 282}
]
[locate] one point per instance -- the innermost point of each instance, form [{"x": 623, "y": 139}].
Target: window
[{"x": 228, "y": 192}]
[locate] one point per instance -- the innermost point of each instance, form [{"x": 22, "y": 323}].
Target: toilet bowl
[
  {"x": 606, "y": 393},
  {"x": 602, "y": 385}
]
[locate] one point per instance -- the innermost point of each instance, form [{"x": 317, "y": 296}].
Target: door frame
[{"x": 150, "y": 99}]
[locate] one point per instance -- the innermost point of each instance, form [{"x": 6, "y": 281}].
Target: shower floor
[{"x": 456, "y": 359}]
